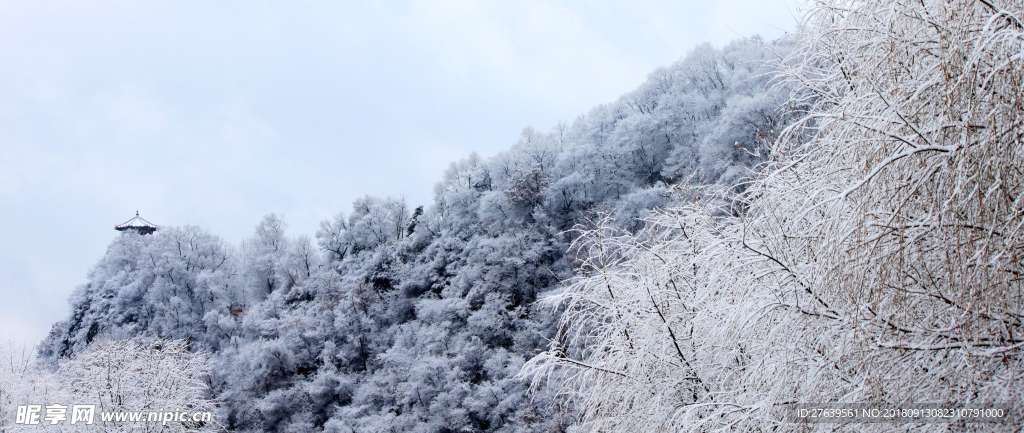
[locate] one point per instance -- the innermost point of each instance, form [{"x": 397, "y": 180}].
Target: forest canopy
[{"x": 419, "y": 319}]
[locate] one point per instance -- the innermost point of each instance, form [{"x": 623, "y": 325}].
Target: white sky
[{"x": 217, "y": 113}]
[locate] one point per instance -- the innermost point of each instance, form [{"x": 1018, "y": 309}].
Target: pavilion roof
[{"x": 135, "y": 223}]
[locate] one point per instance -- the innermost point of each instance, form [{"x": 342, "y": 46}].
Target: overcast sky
[{"x": 217, "y": 113}]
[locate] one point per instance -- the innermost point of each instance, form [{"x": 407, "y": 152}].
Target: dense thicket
[
  {"x": 877, "y": 260},
  {"x": 419, "y": 320}
]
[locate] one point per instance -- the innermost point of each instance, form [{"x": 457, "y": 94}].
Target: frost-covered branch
[{"x": 877, "y": 258}]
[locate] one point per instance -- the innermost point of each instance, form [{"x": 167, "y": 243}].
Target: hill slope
[{"x": 417, "y": 320}]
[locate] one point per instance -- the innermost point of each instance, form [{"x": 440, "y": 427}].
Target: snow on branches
[
  {"x": 877, "y": 259},
  {"x": 143, "y": 376}
]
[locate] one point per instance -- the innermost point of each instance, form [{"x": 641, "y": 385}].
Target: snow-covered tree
[
  {"x": 264, "y": 254},
  {"x": 116, "y": 377},
  {"x": 876, "y": 259},
  {"x": 160, "y": 285}
]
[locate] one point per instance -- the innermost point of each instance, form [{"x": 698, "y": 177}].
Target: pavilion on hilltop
[{"x": 137, "y": 225}]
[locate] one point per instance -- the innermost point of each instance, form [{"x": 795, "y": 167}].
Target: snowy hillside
[
  {"x": 835, "y": 218},
  {"x": 402, "y": 319}
]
